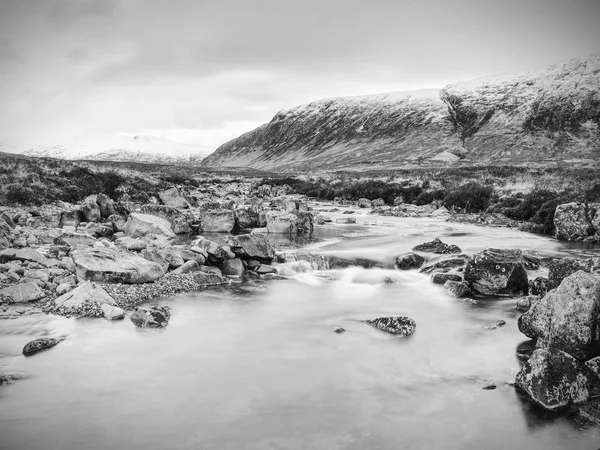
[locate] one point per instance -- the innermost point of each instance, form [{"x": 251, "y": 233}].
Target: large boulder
[
  {"x": 106, "y": 205},
  {"x": 560, "y": 268},
  {"x": 216, "y": 253},
  {"x": 147, "y": 226},
  {"x": 90, "y": 210},
  {"x": 21, "y": 293},
  {"x": 399, "y": 325},
  {"x": 554, "y": 379},
  {"x": 115, "y": 267},
  {"x": 151, "y": 316},
  {"x": 409, "y": 261},
  {"x": 84, "y": 298},
  {"x": 218, "y": 221},
  {"x": 174, "y": 197},
  {"x": 567, "y": 318},
  {"x": 252, "y": 246},
  {"x": 497, "y": 272},
  {"x": 179, "y": 219},
  {"x": 294, "y": 222},
  {"x": 437, "y": 246},
  {"x": 577, "y": 221},
  {"x": 39, "y": 345},
  {"x": 248, "y": 216}
]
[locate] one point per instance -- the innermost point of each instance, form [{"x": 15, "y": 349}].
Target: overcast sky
[{"x": 205, "y": 71}]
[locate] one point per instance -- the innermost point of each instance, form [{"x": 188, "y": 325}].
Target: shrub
[
  {"x": 471, "y": 197},
  {"x": 531, "y": 204},
  {"x": 17, "y": 194}
]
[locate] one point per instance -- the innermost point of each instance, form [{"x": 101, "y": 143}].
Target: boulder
[
  {"x": 248, "y": 216},
  {"x": 218, "y": 221},
  {"x": 172, "y": 256},
  {"x": 39, "y": 345},
  {"x": 441, "y": 278},
  {"x": 524, "y": 303},
  {"x": 560, "y": 268},
  {"x": 567, "y": 318},
  {"x": 399, "y": 325},
  {"x": 23, "y": 254},
  {"x": 156, "y": 256},
  {"x": 117, "y": 221},
  {"x": 457, "y": 289},
  {"x": 233, "y": 267},
  {"x": 294, "y": 222},
  {"x": 111, "y": 312},
  {"x": 90, "y": 210},
  {"x": 146, "y": 226},
  {"x": 364, "y": 203},
  {"x": 75, "y": 240},
  {"x": 554, "y": 379},
  {"x": 106, "y": 205},
  {"x": 577, "y": 221},
  {"x": 205, "y": 278},
  {"x": 409, "y": 261},
  {"x": 83, "y": 296},
  {"x": 179, "y": 219},
  {"x": 151, "y": 316},
  {"x": 252, "y": 246},
  {"x": 174, "y": 197},
  {"x": 436, "y": 246},
  {"x": 99, "y": 229},
  {"x": 21, "y": 293},
  {"x": 539, "y": 286},
  {"x": 497, "y": 272},
  {"x": 115, "y": 267},
  {"x": 216, "y": 253}
]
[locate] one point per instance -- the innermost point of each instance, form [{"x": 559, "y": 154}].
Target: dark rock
[
  {"x": 399, "y": 325},
  {"x": 457, "y": 289},
  {"x": 341, "y": 262},
  {"x": 560, "y": 268},
  {"x": 151, "y": 316},
  {"x": 252, "y": 246},
  {"x": 538, "y": 286},
  {"x": 577, "y": 221},
  {"x": 495, "y": 325},
  {"x": 38, "y": 345},
  {"x": 497, "y": 272},
  {"x": 409, "y": 261},
  {"x": 525, "y": 349},
  {"x": 489, "y": 387},
  {"x": 437, "y": 246},
  {"x": 233, "y": 267},
  {"x": 441, "y": 278},
  {"x": 524, "y": 303},
  {"x": 455, "y": 262},
  {"x": 339, "y": 330}
]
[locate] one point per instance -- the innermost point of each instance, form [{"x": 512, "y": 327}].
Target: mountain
[
  {"x": 141, "y": 149},
  {"x": 540, "y": 116}
]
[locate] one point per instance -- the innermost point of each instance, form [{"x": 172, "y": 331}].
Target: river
[{"x": 257, "y": 366}]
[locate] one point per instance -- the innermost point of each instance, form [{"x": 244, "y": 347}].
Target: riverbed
[{"x": 257, "y": 366}]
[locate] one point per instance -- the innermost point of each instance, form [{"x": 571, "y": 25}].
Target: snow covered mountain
[
  {"x": 539, "y": 116},
  {"x": 140, "y": 149}
]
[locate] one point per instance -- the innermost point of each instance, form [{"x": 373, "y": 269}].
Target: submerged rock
[
  {"x": 398, "y": 325},
  {"x": 39, "y": 345},
  {"x": 437, "y": 246},
  {"x": 497, "y": 272},
  {"x": 151, "y": 316},
  {"x": 409, "y": 261}
]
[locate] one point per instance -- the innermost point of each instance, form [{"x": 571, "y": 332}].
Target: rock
[
  {"x": 252, "y": 246},
  {"x": 151, "y": 316},
  {"x": 111, "y": 312},
  {"x": 39, "y": 345},
  {"x": 90, "y": 210},
  {"x": 75, "y": 240},
  {"x": 263, "y": 269},
  {"x": 567, "y": 318},
  {"x": 409, "y": 261},
  {"x": 577, "y": 221},
  {"x": 117, "y": 221},
  {"x": 457, "y": 289},
  {"x": 84, "y": 296},
  {"x": 440, "y": 212},
  {"x": 524, "y": 303},
  {"x": 560, "y": 268},
  {"x": 233, "y": 267},
  {"x": 146, "y": 226},
  {"x": 280, "y": 222},
  {"x": 133, "y": 245},
  {"x": 339, "y": 330},
  {"x": 174, "y": 197},
  {"x": 188, "y": 266},
  {"x": 364, "y": 203},
  {"x": 173, "y": 257},
  {"x": 495, "y": 325},
  {"x": 248, "y": 216},
  {"x": 399, "y": 325},
  {"x": 209, "y": 279},
  {"x": 24, "y": 254},
  {"x": 216, "y": 253},
  {"x": 441, "y": 278},
  {"x": 539, "y": 286},
  {"x": 218, "y": 221},
  {"x": 106, "y": 205},
  {"x": 21, "y": 293},
  {"x": 436, "y": 246},
  {"x": 445, "y": 264},
  {"x": 345, "y": 220},
  {"x": 99, "y": 229},
  {"x": 63, "y": 288},
  {"x": 179, "y": 219},
  {"x": 554, "y": 379},
  {"x": 525, "y": 349},
  {"x": 70, "y": 218},
  {"x": 489, "y": 387},
  {"x": 115, "y": 267},
  {"x": 497, "y": 272}
]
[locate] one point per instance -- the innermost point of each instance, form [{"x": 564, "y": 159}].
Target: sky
[{"x": 206, "y": 71}]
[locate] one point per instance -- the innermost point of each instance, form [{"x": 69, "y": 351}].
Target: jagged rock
[
  {"x": 399, "y": 325},
  {"x": 130, "y": 244},
  {"x": 151, "y": 316},
  {"x": 174, "y": 197},
  {"x": 567, "y": 318},
  {"x": 497, "y": 272},
  {"x": 111, "y": 312},
  {"x": 409, "y": 261},
  {"x": 252, "y": 246},
  {"x": 39, "y": 345},
  {"x": 577, "y": 221},
  {"x": 146, "y": 226},
  {"x": 457, "y": 289},
  {"x": 437, "y": 246},
  {"x": 233, "y": 267},
  {"x": 554, "y": 379},
  {"x": 21, "y": 293},
  {"x": 560, "y": 268},
  {"x": 441, "y": 278},
  {"x": 115, "y": 267},
  {"x": 218, "y": 221},
  {"x": 538, "y": 286}
]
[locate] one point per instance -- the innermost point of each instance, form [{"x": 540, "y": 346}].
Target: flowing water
[{"x": 257, "y": 366}]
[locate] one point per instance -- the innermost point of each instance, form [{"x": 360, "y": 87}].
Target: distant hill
[{"x": 538, "y": 117}]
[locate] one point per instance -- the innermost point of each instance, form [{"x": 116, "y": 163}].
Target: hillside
[{"x": 540, "y": 116}]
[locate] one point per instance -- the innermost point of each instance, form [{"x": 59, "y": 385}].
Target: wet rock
[
  {"x": 322, "y": 220},
  {"x": 339, "y": 330},
  {"x": 145, "y": 226},
  {"x": 497, "y": 272},
  {"x": 263, "y": 269},
  {"x": 443, "y": 265},
  {"x": 524, "y": 303},
  {"x": 39, "y": 345},
  {"x": 218, "y": 221},
  {"x": 314, "y": 261},
  {"x": 457, "y": 289},
  {"x": 151, "y": 317},
  {"x": 252, "y": 246},
  {"x": 342, "y": 262},
  {"x": 489, "y": 387},
  {"x": 209, "y": 279},
  {"x": 409, "y": 261},
  {"x": 495, "y": 325},
  {"x": 441, "y": 278},
  {"x": 437, "y": 246},
  {"x": 567, "y": 318},
  {"x": 233, "y": 267},
  {"x": 560, "y": 268},
  {"x": 174, "y": 197},
  {"x": 398, "y": 325},
  {"x": 577, "y": 221},
  {"x": 525, "y": 350},
  {"x": 112, "y": 312},
  {"x": 554, "y": 379},
  {"x": 115, "y": 267},
  {"x": 21, "y": 293},
  {"x": 216, "y": 253},
  {"x": 345, "y": 220},
  {"x": 539, "y": 286}
]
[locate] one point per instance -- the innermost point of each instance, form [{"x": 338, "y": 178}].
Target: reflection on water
[{"x": 257, "y": 366}]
